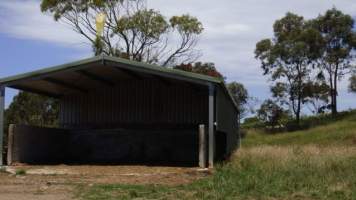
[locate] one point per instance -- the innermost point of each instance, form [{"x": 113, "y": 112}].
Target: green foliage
[
  {"x": 240, "y": 94},
  {"x": 287, "y": 59},
  {"x": 272, "y": 115},
  {"x": 31, "y": 109},
  {"x": 252, "y": 122},
  {"x": 60, "y": 8},
  {"x": 131, "y": 29},
  {"x": 20, "y": 172},
  {"x": 187, "y": 24},
  {"x": 317, "y": 95},
  {"x": 338, "y": 39},
  {"x": 319, "y": 49},
  {"x": 148, "y": 22}
]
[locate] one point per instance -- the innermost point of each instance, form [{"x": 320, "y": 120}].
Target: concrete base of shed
[{"x": 34, "y": 145}]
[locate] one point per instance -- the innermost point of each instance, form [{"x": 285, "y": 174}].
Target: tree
[
  {"x": 200, "y": 68},
  {"x": 339, "y": 41},
  {"x": 317, "y": 95},
  {"x": 352, "y": 85},
  {"x": 131, "y": 30},
  {"x": 271, "y": 114},
  {"x": 240, "y": 94},
  {"x": 237, "y": 90},
  {"x": 287, "y": 59},
  {"x": 32, "y": 109}
]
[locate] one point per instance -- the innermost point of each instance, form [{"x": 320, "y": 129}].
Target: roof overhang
[{"x": 92, "y": 73}]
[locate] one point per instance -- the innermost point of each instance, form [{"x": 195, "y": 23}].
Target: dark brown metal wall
[{"x": 136, "y": 103}]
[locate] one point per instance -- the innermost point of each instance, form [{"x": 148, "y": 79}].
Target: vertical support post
[
  {"x": 211, "y": 125},
  {"x": 2, "y": 107},
  {"x": 10, "y": 144},
  {"x": 202, "y": 146}
]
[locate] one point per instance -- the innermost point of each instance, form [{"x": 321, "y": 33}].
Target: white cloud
[
  {"x": 23, "y": 19},
  {"x": 232, "y": 28}
]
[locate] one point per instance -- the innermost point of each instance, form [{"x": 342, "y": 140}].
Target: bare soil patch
[{"x": 58, "y": 182}]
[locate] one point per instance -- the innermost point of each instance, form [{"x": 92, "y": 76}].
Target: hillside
[
  {"x": 318, "y": 163},
  {"x": 328, "y": 131}
]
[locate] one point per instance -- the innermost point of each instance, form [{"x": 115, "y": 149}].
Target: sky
[{"x": 31, "y": 40}]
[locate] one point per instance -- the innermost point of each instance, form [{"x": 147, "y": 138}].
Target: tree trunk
[
  {"x": 334, "y": 94},
  {"x": 331, "y": 91},
  {"x": 334, "y": 101},
  {"x": 299, "y": 96},
  {"x": 297, "y": 115},
  {"x": 297, "y": 118}
]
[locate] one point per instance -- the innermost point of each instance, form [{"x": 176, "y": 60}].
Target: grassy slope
[
  {"x": 319, "y": 163},
  {"x": 340, "y": 132}
]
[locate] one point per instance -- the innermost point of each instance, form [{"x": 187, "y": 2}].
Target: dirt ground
[{"x": 59, "y": 182}]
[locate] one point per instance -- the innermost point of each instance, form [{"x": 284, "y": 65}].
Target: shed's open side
[{"x": 114, "y": 110}]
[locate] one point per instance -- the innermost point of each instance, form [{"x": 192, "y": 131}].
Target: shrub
[{"x": 273, "y": 116}]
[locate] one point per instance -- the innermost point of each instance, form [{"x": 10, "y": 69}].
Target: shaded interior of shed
[{"x": 115, "y": 115}]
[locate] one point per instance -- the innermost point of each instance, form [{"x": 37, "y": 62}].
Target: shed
[{"x": 114, "y": 110}]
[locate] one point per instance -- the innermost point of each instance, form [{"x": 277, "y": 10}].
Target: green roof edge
[
  {"x": 57, "y": 68},
  {"x": 109, "y": 58},
  {"x": 45, "y": 70}
]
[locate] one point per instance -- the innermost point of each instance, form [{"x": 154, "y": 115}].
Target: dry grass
[
  {"x": 261, "y": 172},
  {"x": 288, "y": 153},
  {"x": 319, "y": 163}
]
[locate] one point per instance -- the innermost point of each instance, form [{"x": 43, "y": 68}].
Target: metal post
[
  {"x": 2, "y": 107},
  {"x": 211, "y": 126},
  {"x": 202, "y": 146}
]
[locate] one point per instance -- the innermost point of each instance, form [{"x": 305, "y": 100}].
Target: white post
[
  {"x": 2, "y": 107},
  {"x": 202, "y": 146},
  {"x": 211, "y": 126}
]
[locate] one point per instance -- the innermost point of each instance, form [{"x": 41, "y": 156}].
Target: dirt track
[{"x": 59, "y": 182}]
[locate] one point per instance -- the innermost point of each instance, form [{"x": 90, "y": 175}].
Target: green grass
[
  {"x": 319, "y": 163},
  {"x": 340, "y": 132},
  {"x": 20, "y": 172}
]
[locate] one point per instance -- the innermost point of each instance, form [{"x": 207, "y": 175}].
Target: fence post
[
  {"x": 10, "y": 144},
  {"x": 202, "y": 146}
]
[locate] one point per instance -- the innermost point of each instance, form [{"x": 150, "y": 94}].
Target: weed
[{"x": 20, "y": 172}]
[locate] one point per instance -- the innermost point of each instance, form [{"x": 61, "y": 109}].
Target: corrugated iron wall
[
  {"x": 227, "y": 119},
  {"x": 136, "y": 103}
]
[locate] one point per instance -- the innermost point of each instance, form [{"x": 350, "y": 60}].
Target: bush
[
  {"x": 252, "y": 122},
  {"x": 273, "y": 116}
]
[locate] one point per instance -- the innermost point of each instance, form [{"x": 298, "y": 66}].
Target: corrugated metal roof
[
  {"x": 121, "y": 63},
  {"x": 138, "y": 65}
]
